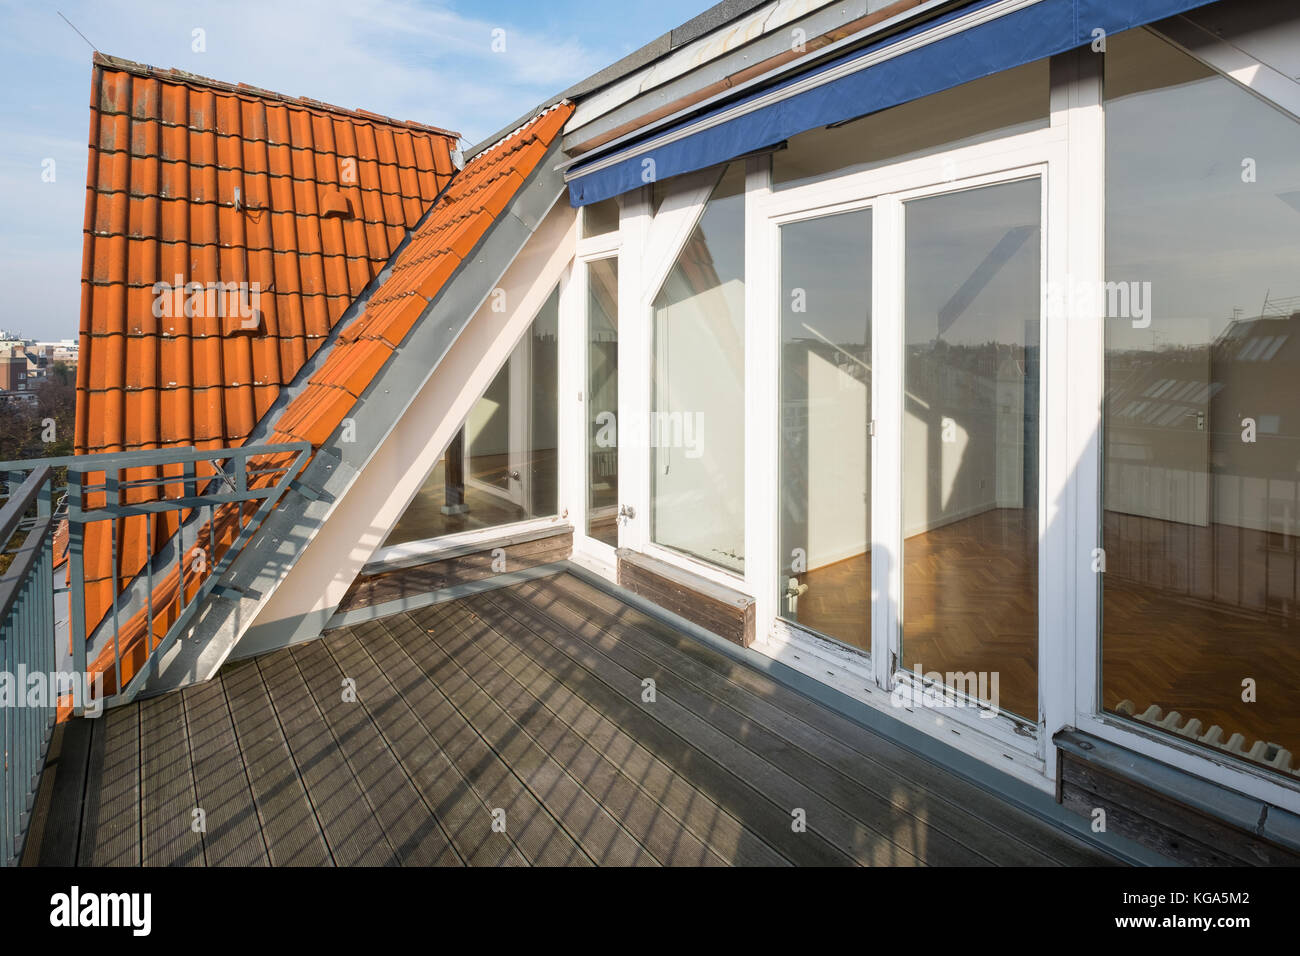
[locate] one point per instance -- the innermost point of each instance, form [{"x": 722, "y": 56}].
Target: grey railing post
[{"x": 76, "y": 583}]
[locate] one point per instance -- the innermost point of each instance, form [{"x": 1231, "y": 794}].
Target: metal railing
[
  {"x": 26, "y": 645},
  {"x": 105, "y": 561}
]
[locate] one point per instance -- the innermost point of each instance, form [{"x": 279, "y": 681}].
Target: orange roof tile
[
  {"x": 446, "y": 238},
  {"x": 216, "y": 390},
  {"x": 282, "y": 210},
  {"x": 220, "y": 183}
]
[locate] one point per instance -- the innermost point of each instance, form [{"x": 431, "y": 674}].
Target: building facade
[{"x": 937, "y": 351}]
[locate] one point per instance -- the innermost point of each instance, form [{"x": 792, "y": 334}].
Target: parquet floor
[
  {"x": 970, "y": 604},
  {"x": 423, "y": 517}
]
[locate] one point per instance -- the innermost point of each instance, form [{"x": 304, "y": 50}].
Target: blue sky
[{"x": 426, "y": 60}]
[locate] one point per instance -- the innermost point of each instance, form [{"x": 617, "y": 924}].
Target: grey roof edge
[
  {"x": 718, "y": 15},
  {"x": 693, "y": 30}
]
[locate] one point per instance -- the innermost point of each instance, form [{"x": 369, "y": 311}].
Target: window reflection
[
  {"x": 825, "y": 445},
  {"x": 602, "y": 400},
  {"x": 500, "y": 466},
  {"x": 1201, "y": 607},
  {"x": 696, "y": 429},
  {"x": 970, "y": 442}
]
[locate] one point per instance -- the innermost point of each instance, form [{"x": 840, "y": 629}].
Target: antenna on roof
[{"x": 79, "y": 33}]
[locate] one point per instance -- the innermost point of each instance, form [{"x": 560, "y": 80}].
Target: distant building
[{"x": 18, "y": 380}]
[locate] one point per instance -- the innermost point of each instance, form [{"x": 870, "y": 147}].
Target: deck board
[
  {"x": 346, "y": 818},
  {"x": 640, "y": 814},
  {"x": 871, "y": 792},
  {"x": 409, "y": 826},
  {"x": 170, "y": 834},
  {"x": 289, "y": 825},
  {"x": 56, "y": 815},
  {"x": 528, "y": 700},
  {"x": 621, "y": 700},
  {"x": 110, "y": 826},
  {"x": 693, "y": 717},
  {"x": 393, "y": 698},
  {"x": 1010, "y": 838},
  {"x": 595, "y": 723},
  {"x": 534, "y": 832},
  {"x": 592, "y": 829},
  {"x": 233, "y": 836}
]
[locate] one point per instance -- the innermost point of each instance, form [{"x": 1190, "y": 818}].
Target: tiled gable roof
[
  {"x": 211, "y": 182},
  {"x": 191, "y": 180},
  {"x": 461, "y": 216}
]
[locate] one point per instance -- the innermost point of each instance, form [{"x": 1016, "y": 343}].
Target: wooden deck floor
[{"x": 523, "y": 707}]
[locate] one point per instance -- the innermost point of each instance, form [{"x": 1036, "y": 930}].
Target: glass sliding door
[
  {"x": 972, "y": 307},
  {"x": 825, "y": 418},
  {"x": 696, "y": 422},
  {"x": 602, "y": 401},
  {"x": 1201, "y": 421}
]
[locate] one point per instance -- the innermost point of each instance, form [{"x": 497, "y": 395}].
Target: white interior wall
[{"x": 838, "y": 464}]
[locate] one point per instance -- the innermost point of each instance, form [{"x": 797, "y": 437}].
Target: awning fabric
[{"x": 1029, "y": 31}]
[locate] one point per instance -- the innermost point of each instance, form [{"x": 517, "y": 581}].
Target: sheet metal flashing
[
  {"x": 509, "y": 535},
  {"x": 719, "y": 15},
  {"x": 825, "y": 29},
  {"x": 1263, "y": 819},
  {"x": 428, "y": 598}
]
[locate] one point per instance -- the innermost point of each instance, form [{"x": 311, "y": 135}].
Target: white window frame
[
  {"x": 597, "y": 555},
  {"x": 1038, "y": 154},
  {"x": 1069, "y": 155},
  {"x": 427, "y": 549},
  {"x": 1087, "y": 376},
  {"x": 652, "y": 243}
]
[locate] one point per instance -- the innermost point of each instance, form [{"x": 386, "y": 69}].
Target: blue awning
[{"x": 1001, "y": 34}]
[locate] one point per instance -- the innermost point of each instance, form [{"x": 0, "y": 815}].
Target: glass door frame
[
  {"x": 652, "y": 240},
  {"x": 892, "y": 359},
  {"x": 573, "y": 373},
  {"x": 1039, "y": 154}
]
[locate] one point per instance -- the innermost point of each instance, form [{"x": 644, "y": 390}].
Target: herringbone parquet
[{"x": 970, "y": 603}]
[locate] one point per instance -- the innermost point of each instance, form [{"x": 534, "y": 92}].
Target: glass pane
[
  {"x": 602, "y": 400},
  {"x": 697, "y": 411},
  {"x": 487, "y": 434},
  {"x": 600, "y": 218},
  {"x": 825, "y": 472},
  {"x": 1004, "y": 104},
  {"x": 970, "y": 442},
  {"x": 1201, "y": 443},
  {"x": 500, "y": 467}
]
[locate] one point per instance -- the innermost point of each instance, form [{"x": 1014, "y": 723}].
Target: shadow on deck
[{"x": 521, "y": 707}]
